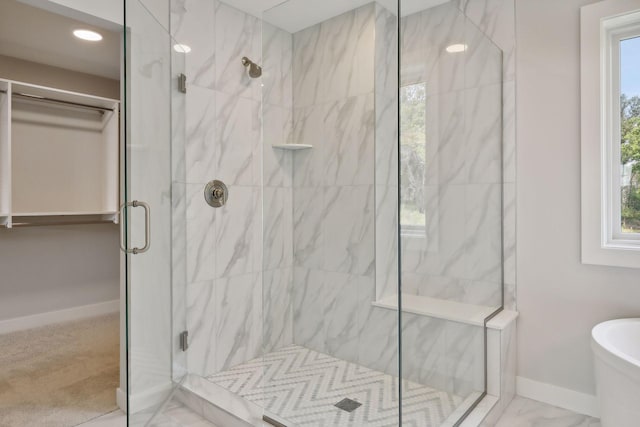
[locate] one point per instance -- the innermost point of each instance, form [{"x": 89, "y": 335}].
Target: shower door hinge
[
  {"x": 184, "y": 340},
  {"x": 182, "y": 83}
]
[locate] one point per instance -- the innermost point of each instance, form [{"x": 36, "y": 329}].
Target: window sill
[
  {"x": 612, "y": 254},
  {"x": 623, "y": 245}
]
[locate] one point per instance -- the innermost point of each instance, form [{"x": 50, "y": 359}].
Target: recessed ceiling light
[
  {"x": 456, "y": 48},
  {"x": 182, "y": 48},
  {"x": 88, "y": 35}
]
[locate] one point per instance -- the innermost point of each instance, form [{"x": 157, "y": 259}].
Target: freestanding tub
[{"x": 616, "y": 349}]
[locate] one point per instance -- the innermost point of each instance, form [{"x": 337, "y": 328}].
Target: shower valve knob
[{"x": 216, "y": 193}]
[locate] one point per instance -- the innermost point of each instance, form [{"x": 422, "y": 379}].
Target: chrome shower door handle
[{"x": 147, "y": 227}]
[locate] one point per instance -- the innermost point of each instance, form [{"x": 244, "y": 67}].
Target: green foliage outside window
[
  {"x": 630, "y": 158},
  {"x": 413, "y": 102}
]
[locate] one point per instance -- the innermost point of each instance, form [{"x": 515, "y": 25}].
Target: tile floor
[
  {"x": 303, "y": 386},
  {"x": 113, "y": 419},
  {"x": 520, "y": 413},
  {"x": 175, "y": 415},
  {"x": 529, "y": 413}
]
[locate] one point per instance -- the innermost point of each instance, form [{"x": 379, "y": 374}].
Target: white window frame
[
  {"x": 603, "y": 26},
  {"x": 616, "y": 31}
]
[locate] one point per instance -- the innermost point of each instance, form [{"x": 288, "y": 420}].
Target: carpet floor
[{"x": 59, "y": 375}]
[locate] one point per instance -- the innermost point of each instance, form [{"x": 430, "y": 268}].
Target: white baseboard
[
  {"x": 121, "y": 399},
  {"x": 43, "y": 319},
  {"x": 575, "y": 401}
]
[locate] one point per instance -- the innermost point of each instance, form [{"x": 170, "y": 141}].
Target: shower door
[{"x": 151, "y": 221}]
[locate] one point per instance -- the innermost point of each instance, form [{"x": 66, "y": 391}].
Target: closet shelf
[
  {"x": 292, "y": 147},
  {"x": 68, "y": 141},
  {"x": 22, "y": 214},
  {"x": 63, "y": 218},
  {"x": 36, "y": 92}
]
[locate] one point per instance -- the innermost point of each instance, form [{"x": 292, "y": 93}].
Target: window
[
  {"x": 627, "y": 203},
  {"x": 621, "y": 137},
  {"x": 413, "y": 134},
  {"x": 610, "y": 67}
]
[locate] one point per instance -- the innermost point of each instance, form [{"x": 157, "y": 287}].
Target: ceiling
[
  {"x": 296, "y": 15},
  {"x": 33, "y": 34}
]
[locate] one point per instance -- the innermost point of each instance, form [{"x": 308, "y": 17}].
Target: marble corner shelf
[{"x": 292, "y": 147}]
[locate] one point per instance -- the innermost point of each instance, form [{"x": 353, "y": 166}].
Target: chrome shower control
[{"x": 216, "y": 193}]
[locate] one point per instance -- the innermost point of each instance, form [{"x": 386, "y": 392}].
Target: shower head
[{"x": 255, "y": 70}]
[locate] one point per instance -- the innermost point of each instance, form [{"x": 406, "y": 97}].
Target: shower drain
[{"x": 348, "y": 405}]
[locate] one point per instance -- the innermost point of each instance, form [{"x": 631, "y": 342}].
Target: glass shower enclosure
[
  {"x": 153, "y": 214},
  {"x": 354, "y": 255}
]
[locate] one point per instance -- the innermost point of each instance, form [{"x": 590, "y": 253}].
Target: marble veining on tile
[
  {"x": 238, "y": 335},
  {"x": 304, "y": 234},
  {"x": 223, "y": 140},
  {"x": 191, "y": 25},
  {"x": 460, "y": 256},
  {"x": 238, "y": 34}
]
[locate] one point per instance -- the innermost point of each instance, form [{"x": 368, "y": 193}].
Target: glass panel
[
  {"x": 330, "y": 214},
  {"x": 314, "y": 231},
  {"x": 155, "y": 281},
  {"x": 451, "y": 208},
  {"x": 223, "y": 252},
  {"x": 630, "y": 134}
]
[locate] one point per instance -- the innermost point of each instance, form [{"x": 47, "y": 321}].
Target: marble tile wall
[
  {"x": 345, "y": 188},
  {"x": 461, "y": 255},
  {"x": 306, "y": 243},
  {"x": 496, "y": 19},
  {"x": 333, "y": 183},
  {"x": 470, "y": 111},
  {"x": 386, "y": 152},
  {"x": 149, "y": 155},
  {"x": 277, "y": 240},
  {"x": 235, "y": 260},
  {"x": 443, "y": 354},
  {"x": 223, "y": 134},
  {"x": 345, "y": 210}
]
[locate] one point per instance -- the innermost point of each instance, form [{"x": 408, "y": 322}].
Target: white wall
[
  {"x": 45, "y": 269},
  {"x": 105, "y": 13},
  {"x": 45, "y": 75},
  {"x": 559, "y": 299}
]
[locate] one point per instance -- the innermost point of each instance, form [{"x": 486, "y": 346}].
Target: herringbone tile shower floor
[{"x": 302, "y": 386}]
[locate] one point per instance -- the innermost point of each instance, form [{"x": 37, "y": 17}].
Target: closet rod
[
  {"x": 57, "y": 101},
  {"x": 48, "y": 224}
]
